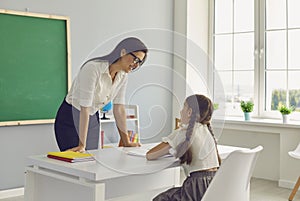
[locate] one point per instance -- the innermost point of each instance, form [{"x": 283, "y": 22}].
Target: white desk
[{"x": 112, "y": 175}]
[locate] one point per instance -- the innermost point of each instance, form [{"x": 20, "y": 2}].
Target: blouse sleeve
[
  {"x": 88, "y": 77},
  {"x": 175, "y": 138}
]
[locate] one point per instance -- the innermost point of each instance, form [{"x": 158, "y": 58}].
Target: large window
[{"x": 256, "y": 47}]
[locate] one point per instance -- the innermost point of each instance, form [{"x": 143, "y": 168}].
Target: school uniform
[
  {"x": 93, "y": 88},
  {"x": 204, "y": 157}
]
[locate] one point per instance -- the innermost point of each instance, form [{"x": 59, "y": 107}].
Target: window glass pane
[
  {"x": 276, "y": 50},
  {"x": 218, "y": 89},
  {"x": 275, "y": 14},
  {"x": 294, "y": 49},
  {"x": 223, "y": 52},
  {"x": 223, "y": 16},
  {"x": 275, "y": 89},
  {"x": 243, "y": 15},
  {"x": 243, "y": 51},
  {"x": 293, "y": 13},
  {"x": 231, "y": 106},
  {"x": 243, "y": 86},
  {"x": 226, "y": 79},
  {"x": 294, "y": 89}
]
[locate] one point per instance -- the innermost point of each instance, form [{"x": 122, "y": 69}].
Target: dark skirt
[
  {"x": 192, "y": 189},
  {"x": 66, "y": 128}
]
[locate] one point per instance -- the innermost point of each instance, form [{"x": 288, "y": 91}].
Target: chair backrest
[
  {"x": 296, "y": 152},
  {"x": 231, "y": 182}
]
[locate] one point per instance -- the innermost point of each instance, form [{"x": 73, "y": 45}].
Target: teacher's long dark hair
[
  {"x": 202, "y": 110},
  {"x": 130, "y": 44}
]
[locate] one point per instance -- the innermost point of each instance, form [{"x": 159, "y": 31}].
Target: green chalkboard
[{"x": 34, "y": 66}]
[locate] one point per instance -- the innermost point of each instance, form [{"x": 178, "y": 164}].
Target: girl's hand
[{"x": 80, "y": 149}]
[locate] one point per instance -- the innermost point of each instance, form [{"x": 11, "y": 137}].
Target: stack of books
[
  {"x": 133, "y": 136},
  {"x": 71, "y": 156}
]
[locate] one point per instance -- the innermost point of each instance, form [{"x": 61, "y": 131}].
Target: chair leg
[{"x": 293, "y": 193}]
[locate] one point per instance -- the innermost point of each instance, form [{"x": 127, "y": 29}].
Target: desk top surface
[{"x": 113, "y": 162}]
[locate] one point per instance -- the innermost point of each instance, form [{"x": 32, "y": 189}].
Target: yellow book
[{"x": 70, "y": 156}]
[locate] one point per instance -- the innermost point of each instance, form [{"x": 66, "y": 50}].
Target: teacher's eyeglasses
[{"x": 136, "y": 60}]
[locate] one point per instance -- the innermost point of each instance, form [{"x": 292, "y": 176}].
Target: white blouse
[
  {"x": 203, "y": 147},
  {"x": 93, "y": 87}
]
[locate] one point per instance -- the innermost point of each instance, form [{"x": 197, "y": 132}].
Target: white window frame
[{"x": 259, "y": 62}]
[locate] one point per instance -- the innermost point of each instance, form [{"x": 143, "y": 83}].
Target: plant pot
[
  {"x": 285, "y": 118},
  {"x": 247, "y": 116}
]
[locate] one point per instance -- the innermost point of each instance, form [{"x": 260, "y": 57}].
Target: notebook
[{"x": 71, "y": 156}]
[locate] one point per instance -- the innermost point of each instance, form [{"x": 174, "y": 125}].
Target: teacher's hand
[
  {"x": 130, "y": 144},
  {"x": 80, "y": 149},
  {"x": 133, "y": 144}
]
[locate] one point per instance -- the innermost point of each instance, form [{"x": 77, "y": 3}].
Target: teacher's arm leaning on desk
[{"x": 120, "y": 117}]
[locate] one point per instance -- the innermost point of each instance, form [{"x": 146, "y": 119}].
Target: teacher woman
[{"x": 99, "y": 81}]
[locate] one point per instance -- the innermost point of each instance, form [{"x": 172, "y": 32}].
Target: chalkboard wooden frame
[{"x": 50, "y": 83}]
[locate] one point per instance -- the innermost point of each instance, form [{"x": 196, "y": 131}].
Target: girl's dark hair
[
  {"x": 202, "y": 110},
  {"x": 130, "y": 44}
]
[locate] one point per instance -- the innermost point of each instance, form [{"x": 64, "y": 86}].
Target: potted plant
[
  {"x": 285, "y": 111},
  {"x": 216, "y": 106},
  {"x": 247, "y": 108}
]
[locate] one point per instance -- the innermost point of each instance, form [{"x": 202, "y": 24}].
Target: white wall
[
  {"x": 191, "y": 61},
  {"x": 92, "y": 23},
  {"x": 197, "y": 47}
]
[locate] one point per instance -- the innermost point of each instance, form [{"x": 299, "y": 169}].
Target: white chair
[
  {"x": 231, "y": 182},
  {"x": 295, "y": 154}
]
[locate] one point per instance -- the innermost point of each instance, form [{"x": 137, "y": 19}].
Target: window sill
[
  {"x": 262, "y": 122},
  {"x": 255, "y": 124}
]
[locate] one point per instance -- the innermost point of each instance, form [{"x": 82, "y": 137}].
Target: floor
[
  {"x": 261, "y": 190},
  {"x": 265, "y": 190}
]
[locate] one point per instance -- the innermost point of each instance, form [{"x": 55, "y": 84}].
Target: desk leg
[
  {"x": 248, "y": 192},
  {"x": 45, "y": 185},
  {"x": 99, "y": 192},
  {"x": 30, "y": 184}
]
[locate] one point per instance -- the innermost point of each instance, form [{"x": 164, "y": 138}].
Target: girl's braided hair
[{"x": 202, "y": 110}]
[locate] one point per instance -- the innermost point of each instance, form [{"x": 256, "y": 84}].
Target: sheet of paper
[
  {"x": 141, "y": 151},
  {"x": 138, "y": 152}
]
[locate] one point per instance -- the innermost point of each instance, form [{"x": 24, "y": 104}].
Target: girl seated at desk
[{"x": 195, "y": 145}]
